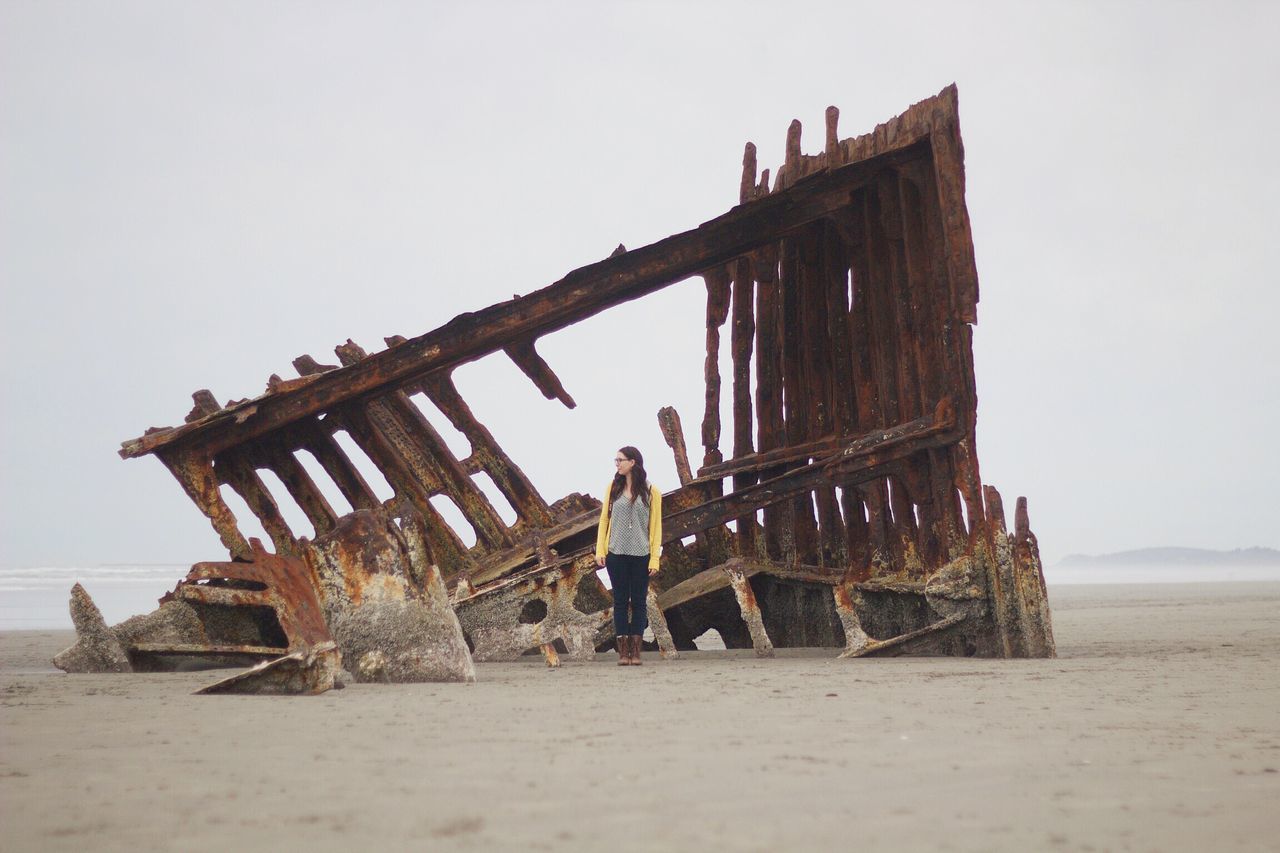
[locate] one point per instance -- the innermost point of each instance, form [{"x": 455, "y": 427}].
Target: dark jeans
[{"x": 629, "y": 577}]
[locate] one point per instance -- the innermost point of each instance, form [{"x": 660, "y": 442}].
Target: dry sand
[{"x": 1157, "y": 728}]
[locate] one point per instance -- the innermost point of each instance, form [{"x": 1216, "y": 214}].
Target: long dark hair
[{"x": 639, "y": 479}]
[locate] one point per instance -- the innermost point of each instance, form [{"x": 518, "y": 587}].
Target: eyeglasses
[{"x": 619, "y": 460}]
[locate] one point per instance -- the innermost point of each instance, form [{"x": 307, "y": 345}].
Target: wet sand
[{"x": 1157, "y": 728}]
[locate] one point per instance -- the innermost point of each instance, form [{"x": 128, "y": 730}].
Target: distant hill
[{"x": 1176, "y": 557}]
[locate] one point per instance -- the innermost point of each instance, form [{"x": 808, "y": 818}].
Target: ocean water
[
  {"x": 1139, "y": 573},
  {"x": 37, "y": 597}
]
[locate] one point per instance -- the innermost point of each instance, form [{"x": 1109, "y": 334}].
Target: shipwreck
[{"x": 841, "y": 508}]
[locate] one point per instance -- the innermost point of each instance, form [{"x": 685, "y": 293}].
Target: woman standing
[{"x": 628, "y": 545}]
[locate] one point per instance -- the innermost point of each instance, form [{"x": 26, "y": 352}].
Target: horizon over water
[{"x": 37, "y": 597}]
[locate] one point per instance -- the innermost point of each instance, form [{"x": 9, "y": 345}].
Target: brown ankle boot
[
  {"x": 629, "y": 651},
  {"x": 637, "y": 646}
]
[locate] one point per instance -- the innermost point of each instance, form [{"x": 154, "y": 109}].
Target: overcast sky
[{"x": 192, "y": 194}]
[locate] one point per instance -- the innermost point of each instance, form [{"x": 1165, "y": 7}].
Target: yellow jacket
[{"x": 655, "y": 524}]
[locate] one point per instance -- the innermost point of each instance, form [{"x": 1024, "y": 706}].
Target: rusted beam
[
  {"x": 718, "y": 290},
  {"x": 582, "y": 293},
  {"x": 445, "y": 545},
  {"x": 319, "y": 442},
  {"x": 750, "y": 609},
  {"x": 526, "y": 357},
  {"x": 289, "y": 587},
  {"x": 281, "y": 462},
  {"x": 196, "y": 476},
  {"x": 880, "y": 645},
  {"x": 205, "y": 404},
  {"x": 234, "y": 470},
  {"x": 673, "y": 434},
  {"x": 765, "y": 460},
  {"x": 861, "y": 460},
  {"x": 769, "y": 391},
  {"x": 486, "y": 454},
  {"x": 742, "y": 338},
  {"x": 405, "y": 427}
]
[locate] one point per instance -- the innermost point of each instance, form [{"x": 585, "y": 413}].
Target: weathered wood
[
  {"x": 832, "y": 146},
  {"x": 703, "y": 583},
  {"x": 821, "y": 399},
  {"x": 499, "y": 563},
  {"x": 742, "y": 339}
]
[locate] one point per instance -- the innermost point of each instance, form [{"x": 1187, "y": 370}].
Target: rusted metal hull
[{"x": 849, "y": 510}]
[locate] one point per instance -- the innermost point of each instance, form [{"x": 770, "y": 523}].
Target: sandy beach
[{"x": 1157, "y": 728}]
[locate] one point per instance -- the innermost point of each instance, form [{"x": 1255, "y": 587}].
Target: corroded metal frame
[{"x": 849, "y": 511}]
